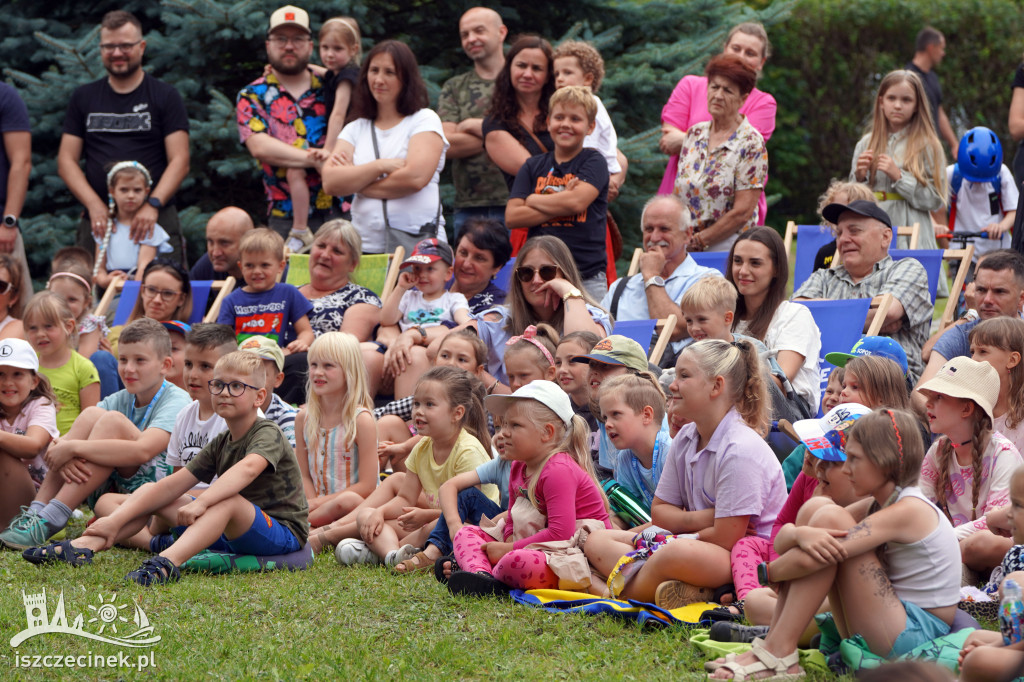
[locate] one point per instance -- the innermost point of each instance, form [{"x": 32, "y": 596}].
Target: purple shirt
[{"x": 737, "y": 474}]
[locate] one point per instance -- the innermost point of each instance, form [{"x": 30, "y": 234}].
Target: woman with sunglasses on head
[{"x": 165, "y": 295}]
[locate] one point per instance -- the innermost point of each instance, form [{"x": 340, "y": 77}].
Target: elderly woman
[
  {"x": 391, "y": 155},
  {"x": 723, "y": 162},
  {"x": 688, "y": 104},
  {"x": 339, "y": 304},
  {"x": 482, "y": 251}
]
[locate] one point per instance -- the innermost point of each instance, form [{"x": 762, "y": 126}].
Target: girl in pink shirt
[{"x": 554, "y": 501}]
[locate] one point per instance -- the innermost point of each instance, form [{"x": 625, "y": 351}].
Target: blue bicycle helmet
[{"x": 980, "y": 156}]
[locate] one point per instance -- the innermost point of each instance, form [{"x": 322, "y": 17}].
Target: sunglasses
[
  {"x": 547, "y": 273},
  {"x": 4, "y": 287}
]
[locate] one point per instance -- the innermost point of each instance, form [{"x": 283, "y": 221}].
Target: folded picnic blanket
[
  {"x": 209, "y": 561},
  {"x": 580, "y": 602}
]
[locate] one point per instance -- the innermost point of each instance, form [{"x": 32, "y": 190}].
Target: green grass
[{"x": 332, "y": 622}]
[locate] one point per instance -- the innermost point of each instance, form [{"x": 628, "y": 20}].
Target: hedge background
[{"x": 829, "y": 57}]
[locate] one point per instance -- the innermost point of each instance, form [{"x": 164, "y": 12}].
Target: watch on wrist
[
  {"x": 155, "y": 203},
  {"x": 762, "y": 574},
  {"x": 656, "y": 281},
  {"x": 970, "y": 316},
  {"x": 572, "y": 293},
  {"x": 11, "y": 221},
  {"x": 421, "y": 330}
]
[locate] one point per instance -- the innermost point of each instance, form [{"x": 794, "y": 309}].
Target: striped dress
[{"x": 332, "y": 466}]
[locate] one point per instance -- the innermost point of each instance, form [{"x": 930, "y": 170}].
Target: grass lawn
[{"x": 331, "y": 622}]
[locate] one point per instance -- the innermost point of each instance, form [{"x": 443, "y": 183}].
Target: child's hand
[
  {"x": 496, "y": 550},
  {"x": 406, "y": 280},
  {"x": 59, "y": 453},
  {"x": 413, "y": 518},
  {"x": 105, "y": 529},
  {"x": 189, "y": 513},
  {"x": 995, "y": 230},
  {"x": 76, "y": 471},
  {"x": 976, "y": 639},
  {"x": 863, "y": 164},
  {"x": 297, "y": 346},
  {"x": 889, "y": 167},
  {"x": 821, "y": 543},
  {"x": 370, "y": 523}
]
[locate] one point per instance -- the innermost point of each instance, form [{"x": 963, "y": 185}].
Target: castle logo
[{"x": 104, "y": 620}]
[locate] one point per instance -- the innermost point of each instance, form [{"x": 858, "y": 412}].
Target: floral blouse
[
  {"x": 709, "y": 178},
  {"x": 328, "y": 311}
]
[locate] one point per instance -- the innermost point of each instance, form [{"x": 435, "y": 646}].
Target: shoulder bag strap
[{"x": 376, "y": 154}]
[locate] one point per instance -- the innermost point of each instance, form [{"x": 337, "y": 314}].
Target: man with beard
[
  {"x": 480, "y": 189},
  {"x": 127, "y": 116},
  {"x": 666, "y": 270},
  {"x": 282, "y": 122}
]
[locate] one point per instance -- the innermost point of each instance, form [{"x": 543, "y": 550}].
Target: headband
[
  {"x": 78, "y": 278},
  {"x": 899, "y": 439},
  {"x": 348, "y": 24},
  {"x": 124, "y": 165},
  {"x": 529, "y": 335}
]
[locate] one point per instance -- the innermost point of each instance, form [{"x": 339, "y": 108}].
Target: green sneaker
[{"x": 28, "y": 529}]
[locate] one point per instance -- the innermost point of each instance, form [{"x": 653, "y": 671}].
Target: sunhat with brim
[
  {"x": 881, "y": 346},
  {"x": 547, "y": 393},
  {"x": 963, "y": 377},
  {"x": 825, "y": 438}
]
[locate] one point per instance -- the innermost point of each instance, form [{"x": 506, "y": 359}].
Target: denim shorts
[
  {"x": 921, "y": 627},
  {"x": 265, "y": 537}
]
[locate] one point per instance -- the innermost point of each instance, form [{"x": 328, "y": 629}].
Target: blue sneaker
[{"x": 27, "y": 529}]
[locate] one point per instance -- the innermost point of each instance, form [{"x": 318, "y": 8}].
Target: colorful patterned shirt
[
  {"x": 264, "y": 106},
  {"x": 709, "y": 178}
]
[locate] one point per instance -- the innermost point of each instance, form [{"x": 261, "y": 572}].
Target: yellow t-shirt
[
  {"x": 67, "y": 381},
  {"x": 467, "y": 454}
]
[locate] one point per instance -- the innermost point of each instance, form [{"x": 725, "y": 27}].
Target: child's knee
[
  {"x": 832, "y": 516},
  {"x": 809, "y": 508}
]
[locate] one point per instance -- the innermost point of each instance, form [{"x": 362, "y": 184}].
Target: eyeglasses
[
  {"x": 162, "y": 294},
  {"x": 235, "y": 388},
  {"x": 547, "y": 272},
  {"x": 114, "y": 47},
  {"x": 297, "y": 41},
  {"x": 4, "y": 287}
]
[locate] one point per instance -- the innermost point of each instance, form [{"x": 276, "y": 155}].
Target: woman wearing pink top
[{"x": 688, "y": 104}]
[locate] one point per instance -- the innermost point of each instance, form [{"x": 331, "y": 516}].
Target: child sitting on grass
[
  {"x": 633, "y": 409},
  {"x": 251, "y": 456},
  {"x": 264, "y": 306},
  {"x": 116, "y": 446}
]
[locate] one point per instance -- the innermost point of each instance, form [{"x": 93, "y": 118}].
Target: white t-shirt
[
  {"x": 974, "y": 212},
  {"x": 190, "y": 435},
  {"x": 604, "y": 139},
  {"x": 793, "y": 328},
  {"x": 123, "y": 253},
  {"x": 410, "y": 212},
  {"x": 417, "y": 311}
]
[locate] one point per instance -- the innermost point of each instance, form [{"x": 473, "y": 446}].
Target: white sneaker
[
  {"x": 397, "y": 556},
  {"x": 352, "y": 551}
]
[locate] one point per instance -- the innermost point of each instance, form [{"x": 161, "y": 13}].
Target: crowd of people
[{"x": 506, "y": 437}]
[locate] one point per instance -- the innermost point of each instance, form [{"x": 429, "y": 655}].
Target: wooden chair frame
[
  {"x": 222, "y": 287},
  {"x": 668, "y": 325}
]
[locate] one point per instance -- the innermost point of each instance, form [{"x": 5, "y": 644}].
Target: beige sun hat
[{"x": 963, "y": 377}]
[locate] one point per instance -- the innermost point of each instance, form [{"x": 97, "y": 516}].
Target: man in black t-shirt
[
  {"x": 127, "y": 116},
  {"x": 929, "y": 49}
]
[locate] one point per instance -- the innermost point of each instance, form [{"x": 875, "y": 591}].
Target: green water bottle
[{"x": 625, "y": 505}]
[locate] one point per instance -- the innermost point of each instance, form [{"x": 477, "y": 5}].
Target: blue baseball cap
[
  {"x": 881, "y": 346},
  {"x": 178, "y": 326},
  {"x": 825, "y": 438}
]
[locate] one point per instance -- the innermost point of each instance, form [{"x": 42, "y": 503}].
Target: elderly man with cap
[
  {"x": 282, "y": 122},
  {"x": 612, "y": 356},
  {"x": 863, "y": 234},
  {"x": 666, "y": 269}
]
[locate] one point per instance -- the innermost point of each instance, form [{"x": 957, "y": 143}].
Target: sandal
[
  {"x": 722, "y": 614},
  {"x": 155, "y": 570},
  {"x": 48, "y": 554},
  {"x": 418, "y": 562},
  {"x": 476, "y": 584},
  {"x": 766, "y": 662},
  {"x": 396, "y": 556},
  {"x": 439, "y": 568}
]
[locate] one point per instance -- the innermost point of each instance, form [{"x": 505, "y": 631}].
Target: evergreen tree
[{"x": 209, "y": 49}]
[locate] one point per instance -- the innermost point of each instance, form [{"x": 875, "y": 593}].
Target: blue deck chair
[
  {"x": 809, "y": 240},
  {"x": 503, "y": 279},
  {"x": 931, "y": 259},
  {"x": 841, "y": 324},
  {"x": 712, "y": 259},
  {"x": 200, "y": 296},
  {"x": 641, "y": 331}
]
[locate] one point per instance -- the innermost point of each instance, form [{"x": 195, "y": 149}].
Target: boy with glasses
[
  {"x": 252, "y": 456},
  {"x": 117, "y": 446}
]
